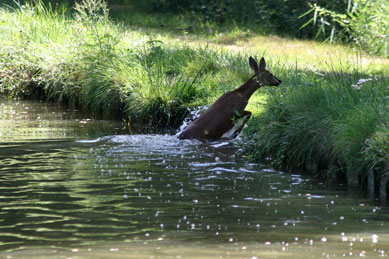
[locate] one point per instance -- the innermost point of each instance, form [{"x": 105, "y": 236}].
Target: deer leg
[{"x": 246, "y": 115}]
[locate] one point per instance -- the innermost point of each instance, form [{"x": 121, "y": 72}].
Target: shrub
[
  {"x": 278, "y": 16},
  {"x": 364, "y": 22}
]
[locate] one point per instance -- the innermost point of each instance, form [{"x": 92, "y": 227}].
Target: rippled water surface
[{"x": 81, "y": 188}]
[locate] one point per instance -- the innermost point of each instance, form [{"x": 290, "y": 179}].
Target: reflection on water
[
  {"x": 26, "y": 120},
  {"x": 72, "y": 189}
]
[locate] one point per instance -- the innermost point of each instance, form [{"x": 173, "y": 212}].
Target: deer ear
[
  {"x": 262, "y": 65},
  {"x": 253, "y": 64}
]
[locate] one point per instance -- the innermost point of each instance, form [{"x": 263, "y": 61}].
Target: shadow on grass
[{"x": 180, "y": 25}]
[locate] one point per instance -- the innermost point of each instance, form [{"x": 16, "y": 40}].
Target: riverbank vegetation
[
  {"x": 331, "y": 123},
  {"x": 330, "y": 114}
]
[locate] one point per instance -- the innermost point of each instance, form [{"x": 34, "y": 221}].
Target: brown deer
[{"x": 221, "y": 116}]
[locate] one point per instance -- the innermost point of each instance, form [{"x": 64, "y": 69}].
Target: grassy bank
[
  {"x": 320, "y": 118},
  {"x": 85, "y": 60},
  {"x": 335, "y": 124}
]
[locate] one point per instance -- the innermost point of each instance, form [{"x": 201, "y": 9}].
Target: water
[{"x": 81, "y": 188}]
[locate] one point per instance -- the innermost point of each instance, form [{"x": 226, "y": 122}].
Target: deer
[{"x": 222, "y": 115}]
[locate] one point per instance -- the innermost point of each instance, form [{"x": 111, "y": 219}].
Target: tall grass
[
  {"x": 83, "y": 59},
  {"x": 333, "y": 125}
]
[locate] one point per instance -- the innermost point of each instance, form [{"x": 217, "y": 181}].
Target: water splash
[{"x": 193, "y": 114}]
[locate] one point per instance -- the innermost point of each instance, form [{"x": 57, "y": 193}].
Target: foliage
[
  {"x": 107, "y": 70},
  {"x": 333, "y": 125},
  {"x": 278, "y": 16},
  {"x": 364, "y": 22},
  {"x": 19, "y": 59}
]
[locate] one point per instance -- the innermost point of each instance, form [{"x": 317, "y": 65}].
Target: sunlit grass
[
  {"x": 153, "y": 70},
  {"x": 329, "y": 123}
]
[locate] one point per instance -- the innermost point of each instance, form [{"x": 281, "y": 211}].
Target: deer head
[{"x": 263, "y": 76}]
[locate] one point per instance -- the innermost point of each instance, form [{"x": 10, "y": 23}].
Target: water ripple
[{"x": 94, "y": 189}]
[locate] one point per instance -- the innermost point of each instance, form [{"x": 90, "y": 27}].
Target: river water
[{"x": 74, "y": 187}]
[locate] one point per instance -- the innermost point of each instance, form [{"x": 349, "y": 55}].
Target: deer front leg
[{"x": 246, "y": 115}]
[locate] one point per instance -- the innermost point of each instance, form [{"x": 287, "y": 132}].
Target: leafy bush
[
  {"x": 364, "y": 23},
  {"x": 278, "y": 16}
]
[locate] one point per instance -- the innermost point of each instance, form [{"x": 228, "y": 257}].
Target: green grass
[
  {"x": 329, "y": 124},
  {"x": 151, "y": 71},
  {"x": 85, "y": 60}
]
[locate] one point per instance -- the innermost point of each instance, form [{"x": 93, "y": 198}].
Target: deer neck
[{"x": 248, "y": 88}]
